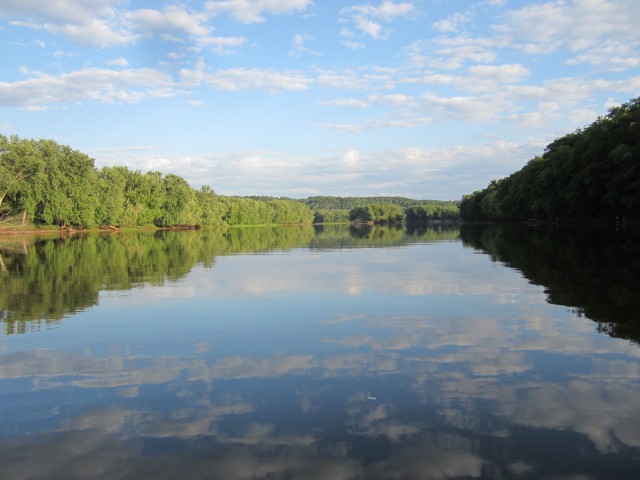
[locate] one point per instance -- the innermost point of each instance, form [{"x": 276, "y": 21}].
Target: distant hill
[
  {"x": 590, "y": 175},
  {"x": 328, "y": 209},
  {"x": 348, "y": 203}
]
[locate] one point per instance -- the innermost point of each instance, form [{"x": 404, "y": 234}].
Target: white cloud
[
  {"x": 174, "y": 19},
  {"x": 511, "y": 73},
  {"x": 453, "y": 22},
  {"x": 353, "y": 45},
  {"x": 348, "y": 79},
  {"x": 254, "y": 11},
  {"x": 475, "y": 79},
  {"x": 256, "y": 78},
  {"x": 90, "y": 22},
  {"x": 387, "y": 11},
  {"x": 345, "y": 102},
  {"x": 92, "y": 84},
  {"x": 298, "y": 48},
  {"x": 118, "y": 62},
  {"x": 221, "y": 45},
  {"x": 590, "y": 27},
  {"x": 195, "y": 76},
  {"x": 398, "y": 100},
  {"x": 99, "y": 23},
  {"x": 616, "y": 58},
  {"x": 410, "y": 171},
  {"x": 240, "y": 79},
  {"x": 58, "y": 11},
  {"x": 479, "y": 108},
  {"x": 369, "y": 19},
  {"x": 451, "y": 53}
]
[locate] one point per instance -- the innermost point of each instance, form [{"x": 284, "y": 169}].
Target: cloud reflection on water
[{"x": 446, "y": 387}]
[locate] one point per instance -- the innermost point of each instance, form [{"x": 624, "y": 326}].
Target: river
[{"x": 441, "y": 352}]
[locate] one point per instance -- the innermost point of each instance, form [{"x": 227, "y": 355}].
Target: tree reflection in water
[
  {"x": 320, "y": 359},
  {"x": 593, "y": 271}
]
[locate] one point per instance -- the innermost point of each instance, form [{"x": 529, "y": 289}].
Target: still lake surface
[{"x": 437, "y": 353}]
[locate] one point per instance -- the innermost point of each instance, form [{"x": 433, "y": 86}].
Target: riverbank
[{"x": 42, "y": 230}]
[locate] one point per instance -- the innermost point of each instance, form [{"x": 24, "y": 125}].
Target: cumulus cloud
[
  {"x": 100, "y": 23},
  {"x": 90, "y": 22},
  {"x": 368, "y": 20},
  {"x": 174, "y": 19},
  {"x": 58, "y": 10},
  {"x": 254, "y": 11},
  {"x": 411, "y": 171},
  {"x": 92, "y": 84},
  {"x": 586, "y": 27}
]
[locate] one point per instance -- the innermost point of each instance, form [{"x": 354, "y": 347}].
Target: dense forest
[
  {"x": 44, "y": 183},
  {"x": 590, "y": 175}
]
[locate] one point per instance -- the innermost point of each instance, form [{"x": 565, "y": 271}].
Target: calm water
[{"x": 332, "y": 353}]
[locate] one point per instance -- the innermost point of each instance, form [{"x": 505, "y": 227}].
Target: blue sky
[{"x": 419, "y": 98}]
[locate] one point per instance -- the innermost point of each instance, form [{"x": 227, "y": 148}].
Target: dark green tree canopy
[{"x": 592, "y": 174}]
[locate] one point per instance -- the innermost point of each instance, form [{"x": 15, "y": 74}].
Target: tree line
[
  {"x": 45, "y": 183},
  {"x": 328, "y": 209},
  {"x": 50, "y": 184},
  {"x": 590, "y": 175},
  {"x": 380, "y": 210}
]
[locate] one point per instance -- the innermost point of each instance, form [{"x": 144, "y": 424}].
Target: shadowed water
[{"x": 440, "y": 352}]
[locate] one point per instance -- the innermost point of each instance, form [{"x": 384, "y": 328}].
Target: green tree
[
  {"x": 592, "y": 174},
  {"x": 180, "y": 206},
  {"x": 211, "y": 208},
  {"x": 112, "y": 183}
]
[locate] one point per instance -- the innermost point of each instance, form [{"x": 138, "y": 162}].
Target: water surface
[{"x": 320, "y": 353}]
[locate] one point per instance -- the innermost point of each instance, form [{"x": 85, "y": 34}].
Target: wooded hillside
[{"x": 590, "y": 175}]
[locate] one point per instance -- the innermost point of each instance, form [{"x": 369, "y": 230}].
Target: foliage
[
  {"x": 348, "y": 203},
  {"x": 592, "y": 174},
  {"x": 377, "y": 209},
  {"x": 50, "y": 183},
  {"x": 247, "y": 211},
  {"x": 338, "y": 215},
  {"x": 377, "y": 213},
  {"x": 431, "y": 211},
  {"x": 55, "y": 185}
]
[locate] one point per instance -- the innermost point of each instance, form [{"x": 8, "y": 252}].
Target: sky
[{"x": 427, "y": 99}]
